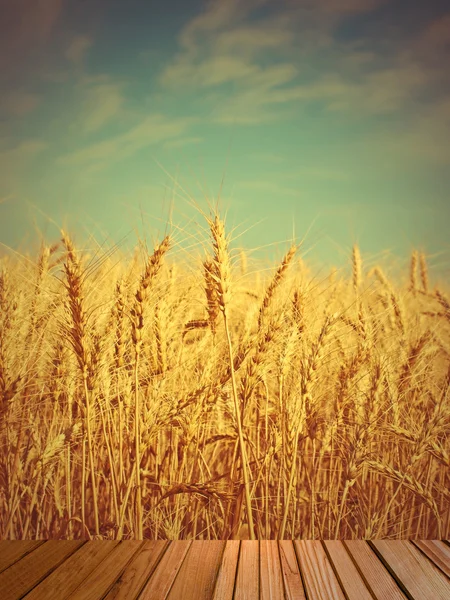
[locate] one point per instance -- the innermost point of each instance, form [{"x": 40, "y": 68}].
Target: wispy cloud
[
  {"x": 153, "y": 129},
  {"x": 219, "y": 47},
  {"x": 340, "y": 6},
  {"x": 180, "y": 143},
  {"x": 101, "y": 104}
]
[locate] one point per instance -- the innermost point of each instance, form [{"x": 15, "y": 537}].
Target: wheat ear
[{"x": 221, "y": 277}]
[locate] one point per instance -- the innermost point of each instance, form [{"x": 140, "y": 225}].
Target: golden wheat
[{"x": 173, "y": 402}]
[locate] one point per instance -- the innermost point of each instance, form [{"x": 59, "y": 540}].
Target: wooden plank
[
  {"x": 351, "y": 581},
  {"x": 271, "y": 578},
  {"x": 24, "y": 574},
  {"x": 102, "y": 578},
  {"x": 138, "y": 572},
  {"x": 247, "y": 580},
  {"x": 320, "y": 581},
  {"x": 13, "y": 550},
  {"x": 69, "y": 575},
  {"x": 159, "y": 584},
  {"x": 197, "y": 577},
  {"x": 293, "y": 584},
  {"x": 227, "y": 573},
  {"x": 436, "y": 551},
  {"x": 419, "y": 576},
  {"x": 377, "y": 578}
]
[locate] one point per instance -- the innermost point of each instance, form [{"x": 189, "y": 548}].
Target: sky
[{"x": 328, "y": 119}]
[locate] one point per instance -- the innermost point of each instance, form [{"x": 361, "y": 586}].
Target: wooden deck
[{"x": 183, "y": 570}]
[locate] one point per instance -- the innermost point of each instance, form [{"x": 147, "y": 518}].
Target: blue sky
[{"x": 333, "y": 115}]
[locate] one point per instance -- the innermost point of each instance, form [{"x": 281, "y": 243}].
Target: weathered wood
[
  {"x": 377, "y": 578},
  {"x": 197, "y": 576},
  {"x": 13, "y": 550},
  {"x": 293, "y": 584},
  {"x": 227, "y": 572},
  {"x": 138, "y": 572},
  {"x": 102, "y": 578},
  {"x": 271, "y": 578},
  {"x": 233, "y": 570},
  {"x": 247, "y": 580},
  {"x": 23, "y": 575},
  {"x": 320, "y": 581},
  {"x": 351, "y": 581},
  {"x": 73, "y": 571},
  {"x": 159, "y": 584},
  {"x": 419, "y": 576},
  {"x": 436, "y": 551}
]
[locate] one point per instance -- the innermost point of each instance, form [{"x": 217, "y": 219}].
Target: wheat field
[{"x": 151, "y": 398}]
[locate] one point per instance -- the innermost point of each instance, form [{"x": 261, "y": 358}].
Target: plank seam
[
  {"x": 53, "y": 568},
  {"x": 302, "y": 576},
  {"x": 101, "y": 562},
  {"x": 429, "y": 558},
  {"x": 24, "y": 555},
  {"x": 360, "y": 571},
  {"x": 151, "y": 570},
  {"x": 336, "y": 573},
  {"x": 388, "y": 567}
]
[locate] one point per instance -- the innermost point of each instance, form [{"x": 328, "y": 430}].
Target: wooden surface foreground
[{"x": 200, "y": 570}]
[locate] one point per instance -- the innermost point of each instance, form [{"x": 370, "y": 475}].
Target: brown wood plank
[
  {"x": 420, "y": 577},
  {"x": 271, "y": 578},
  {"x": 436, "y": 551},
  {"x": 350, "y": 579},
  {"x": 247, "y": 580},
  {"x": 377, "y": 578},
  {"x": 227, "y": 573},
  {"x": 293, "y": 584},
  {"x": 137, "y": 573},
  {"x": 197, "y": 577},
  {"x": 320, "y": 581},
  {"x": 102, "y": 578},
  {"x": 159, "y": 584},
  {"x": 69, "y": 575},
  {"x": 13, "y": 550},
  {"x": 24, "y": 574}
]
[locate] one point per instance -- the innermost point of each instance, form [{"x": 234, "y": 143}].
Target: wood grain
[
  {"x": 159, "y": 584},
  {"x": 351, "y": 581},
  {"x": 28, "y": 572},
  {"x": 436, "y": 551},
  {"x": 293, "y": 584},
  {"x": 377, "y": 578},
  {"x": 420, "y": 577},
  {"x": 247, "y": 580},
  {"x": 271, "y": 578},
  {"x": 73, "y": 571},
  {"x": 197, "y": 576},
  {"x": 320, "y": 581},
  {"x": 138, "y": 572},
  {"x": 219, "y": 570},
  {"x": 13, "y": 550},
  {"x": 227, "y": 572},
  {"x": 102, "y": 578}
]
